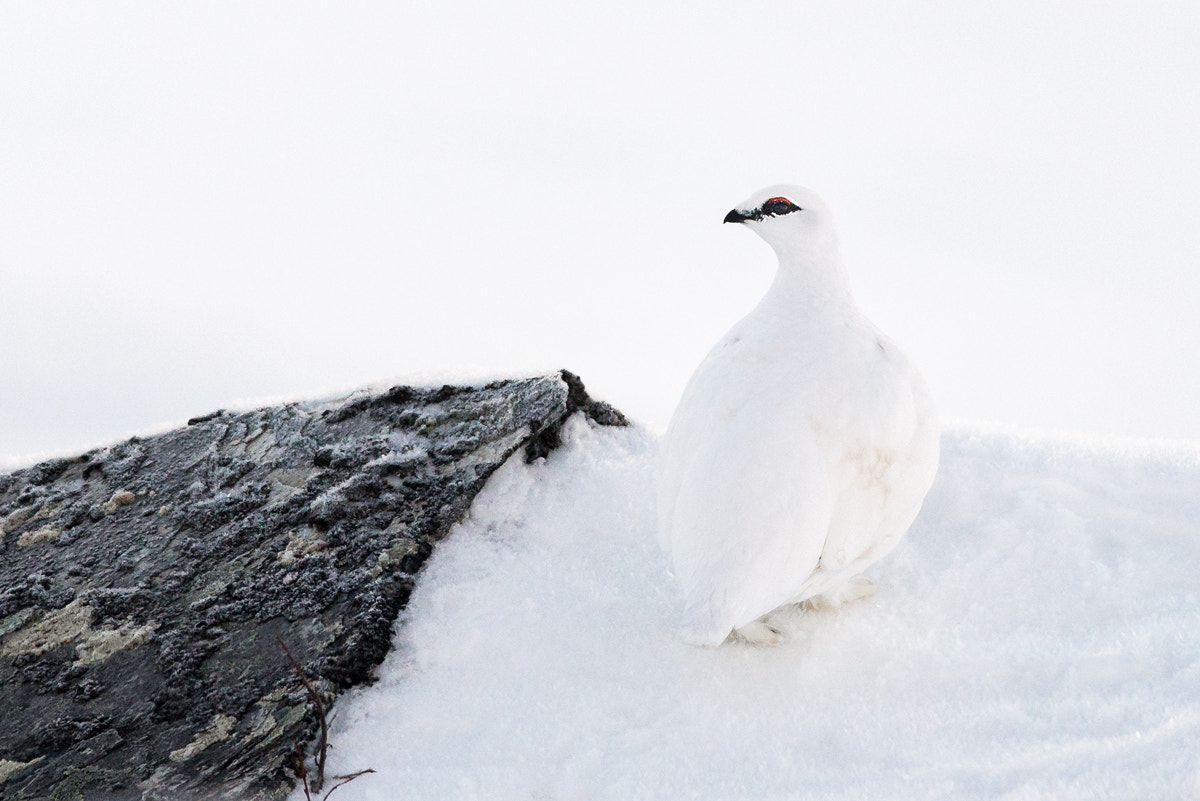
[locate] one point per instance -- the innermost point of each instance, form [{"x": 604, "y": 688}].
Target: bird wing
[
  {"x": 744, "y": 502},
  {"x": 882, "y": 452}
]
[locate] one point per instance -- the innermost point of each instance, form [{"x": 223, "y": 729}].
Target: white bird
[{"x": 803, "y": 445}]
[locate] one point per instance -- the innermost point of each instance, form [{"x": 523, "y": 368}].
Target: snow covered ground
[{"x": 1036, "y": 635}]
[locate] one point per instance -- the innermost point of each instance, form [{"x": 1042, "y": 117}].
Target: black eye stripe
[{"x": 775, "y": 207}]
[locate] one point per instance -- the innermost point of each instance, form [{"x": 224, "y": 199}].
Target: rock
[{"x": 148, "y": 586}]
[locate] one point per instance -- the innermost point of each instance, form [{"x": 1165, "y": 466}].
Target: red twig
[
  {"x": 349, "y": 777},
  {"x": 301, "y": 771},
  {"x": 323, "y": 742}
]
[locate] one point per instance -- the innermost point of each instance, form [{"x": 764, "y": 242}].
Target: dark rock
[
  {"x": 145, "y": 587},
  {"x": 204, "y": 418}
]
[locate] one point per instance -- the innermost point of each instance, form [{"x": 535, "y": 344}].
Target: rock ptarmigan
[{"x": 803, "y": 445}]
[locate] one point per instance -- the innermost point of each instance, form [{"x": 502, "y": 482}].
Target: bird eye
[{"x": 779, "y": 205}]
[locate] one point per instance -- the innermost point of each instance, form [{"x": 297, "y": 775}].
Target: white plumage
[{"x": 803, "y": 445}]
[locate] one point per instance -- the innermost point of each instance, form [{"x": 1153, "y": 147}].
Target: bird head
[{"x": 793, "y": 220}]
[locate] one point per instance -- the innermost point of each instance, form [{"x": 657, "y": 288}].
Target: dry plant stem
[
  {"x": 302, "y": 771},
  {"x": 349, "y": 777},
  {"x": 323, "y": 742}
]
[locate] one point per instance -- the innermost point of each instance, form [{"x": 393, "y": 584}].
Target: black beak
[{"x": 736, "y": 216}]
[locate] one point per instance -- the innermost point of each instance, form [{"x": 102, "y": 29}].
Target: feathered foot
[{"x": 758, "y": 632}]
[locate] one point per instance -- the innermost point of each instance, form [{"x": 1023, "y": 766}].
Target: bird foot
[{"x": 758, "y": 632}]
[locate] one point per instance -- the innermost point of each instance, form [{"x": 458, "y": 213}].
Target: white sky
[{"x": 206, "y": 204}]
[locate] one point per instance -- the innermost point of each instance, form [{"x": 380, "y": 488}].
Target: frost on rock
[{"x": 143, "y": 586}]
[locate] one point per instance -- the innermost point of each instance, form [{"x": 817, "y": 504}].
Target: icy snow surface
[{"x": 1036, "y": 635}]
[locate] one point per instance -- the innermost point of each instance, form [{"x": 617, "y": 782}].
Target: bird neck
[{"x": 811, "y": 276}]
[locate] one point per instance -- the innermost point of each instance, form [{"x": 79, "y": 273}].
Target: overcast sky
[{"x": 214, "y": 204}]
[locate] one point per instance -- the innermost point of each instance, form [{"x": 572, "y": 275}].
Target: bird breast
[{"x": 834, "y": 388}]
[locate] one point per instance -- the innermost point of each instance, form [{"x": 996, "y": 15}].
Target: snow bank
[{"x": 1036, "y": 635}]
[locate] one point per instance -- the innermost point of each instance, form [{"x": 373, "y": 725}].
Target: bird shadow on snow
[{"x": 1035, "y": 633}]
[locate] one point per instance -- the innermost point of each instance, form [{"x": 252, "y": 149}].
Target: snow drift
[{"x": 1036, "y": 634}]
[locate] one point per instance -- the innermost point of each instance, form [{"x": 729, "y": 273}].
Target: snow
[{"x": 1036, "y": 635}]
